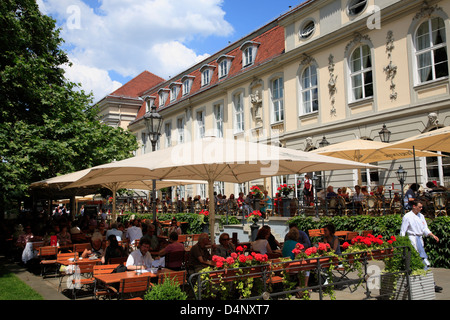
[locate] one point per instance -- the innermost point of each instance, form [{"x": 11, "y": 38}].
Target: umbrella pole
[
  {"x": 113, "y": 214},
  {"x": 212, "y": 210},
  {"x": 415, "y": 168}
]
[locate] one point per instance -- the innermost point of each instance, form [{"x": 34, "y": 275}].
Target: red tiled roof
[
  {"x": 271, "y": 46},
  {"x": 138, "y": 84}
]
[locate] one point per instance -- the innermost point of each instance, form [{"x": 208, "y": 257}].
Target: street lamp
[
  {"x": 401, "y": 176},
  {"x": 153, "y": 122},
  {"x": 324, "y": 142},
  {"x": 385, "y": 134}
]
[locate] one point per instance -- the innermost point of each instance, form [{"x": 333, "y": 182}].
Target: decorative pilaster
[
  {"x": 332, "y": 84},
  {"x": 390, "y": 69}
]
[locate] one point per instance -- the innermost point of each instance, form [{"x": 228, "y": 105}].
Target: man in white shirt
[
  {"x": 141, "y": 258},
  {"x": 115, "y": 232},
  {"x": 415, "y": 227},
  {"x": 134, "y": 232}
]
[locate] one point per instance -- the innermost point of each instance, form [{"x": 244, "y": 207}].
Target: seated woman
[
  {"x": 225, "y": 248},
  {"x": 96, "y": 246},
  {"x": 174, "y": 227},
  {"x": 344, "y": 193},
  {"x": 113, "y": 250},
  {"x": 290, "y": 243},
  {"x": 261, "y": 243},
  {"x": 331, "y": 239},
  {"x": 64, "y": 238}
]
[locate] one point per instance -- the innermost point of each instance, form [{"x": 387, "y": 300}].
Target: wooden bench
[{"x": 315, "y": 232}]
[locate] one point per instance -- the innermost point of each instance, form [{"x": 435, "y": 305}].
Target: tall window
[
  {"x": 219, "y": 187},
  {"x": 201, "y": 124},
  {"x": 431, "y": 50},
  {"x": 249, "y": 56},
  {"x": 206, "y": 77},
  {"x": 180, "y": 129},
  {"x": 187, "y": 84},
  {"x": 168, "y": 132},
  {"x": 174, "y": 92},
  {"x": 277, "y": 100},
  {"x": 223, "y": 68},
  {"x": 309, "y": 90},
  {"x": 162, "y": 97},
  {"x": 201, "y": 189},
  {"x": 361, "y": 73},
  {"x": 218, "y": 120},
  {"x": 238, "y": 112}
]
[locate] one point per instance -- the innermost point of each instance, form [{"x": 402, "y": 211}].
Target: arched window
[
  {"x": 361, "y": 77},
  {"x": 431, "y": 50},
  {"x": 309, "y": 90}
]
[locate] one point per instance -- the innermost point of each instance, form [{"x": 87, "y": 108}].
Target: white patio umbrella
[
  {"x": 436, "y": 140},
  {"x": 215, "y": 159},
  {"x": 369, "y": 151},
  {"x": 65, "y": 180}
]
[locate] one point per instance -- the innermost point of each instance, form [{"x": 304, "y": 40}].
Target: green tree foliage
[{"x": 49, "y": 125}]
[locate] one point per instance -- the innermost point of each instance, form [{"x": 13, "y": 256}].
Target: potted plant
[
  {"x": 204, "y": 220},
  {"x": 254, "y": 217},
  {"x": 256, "y": 192},
  {"x": 394, "y": 282},
  {"x": 168, "y": 290},
  {"x": 285, "y": 190}
]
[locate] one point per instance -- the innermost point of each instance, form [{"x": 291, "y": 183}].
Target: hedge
[
  {"x": 194, "y": 225},
  {"x": 438, "y": 252}
]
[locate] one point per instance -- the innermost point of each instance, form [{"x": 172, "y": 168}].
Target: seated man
[
  {"x": 114, "y": 231},
  {"x": 173, "y": 247},
  {"x": 134, "y": 232},
  {"x": 200, "y": 257},
  {"x": 141, "y": 258}
]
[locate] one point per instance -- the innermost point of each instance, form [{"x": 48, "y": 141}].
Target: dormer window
[
  {"x": 207, "y": 72},
  {"x": 163, "y": 95},
  {"x": 249, "y": 50},
  {"x": 174, "y": 90},
  {"x": 187, "y": 84},
  {"x": 224, "y": 63},
  {"x": 149, "y": 102}
]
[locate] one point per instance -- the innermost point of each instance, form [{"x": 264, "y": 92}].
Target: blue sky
[{"x": 111, "y": 41}]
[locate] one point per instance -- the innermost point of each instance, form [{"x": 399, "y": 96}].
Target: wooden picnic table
[
  {"x": 69, "y": 261},
  {"x": 112, "y": 278}
]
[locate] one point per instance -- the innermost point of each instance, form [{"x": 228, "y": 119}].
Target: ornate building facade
[{"x": 336, "y": 69}]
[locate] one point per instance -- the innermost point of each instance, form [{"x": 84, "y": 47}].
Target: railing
[{"x": 271, "y": 276}]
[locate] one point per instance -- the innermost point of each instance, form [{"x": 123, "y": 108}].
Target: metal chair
[
  {"x": 395, "y": 206},
  {"x": 370, "y": 205},
  {"x": 439, "y": 204}
]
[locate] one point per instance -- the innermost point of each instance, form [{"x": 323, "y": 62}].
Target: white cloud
[
  {"x": 93, "y": 79},
  {"x": 129, "y": 36}
]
